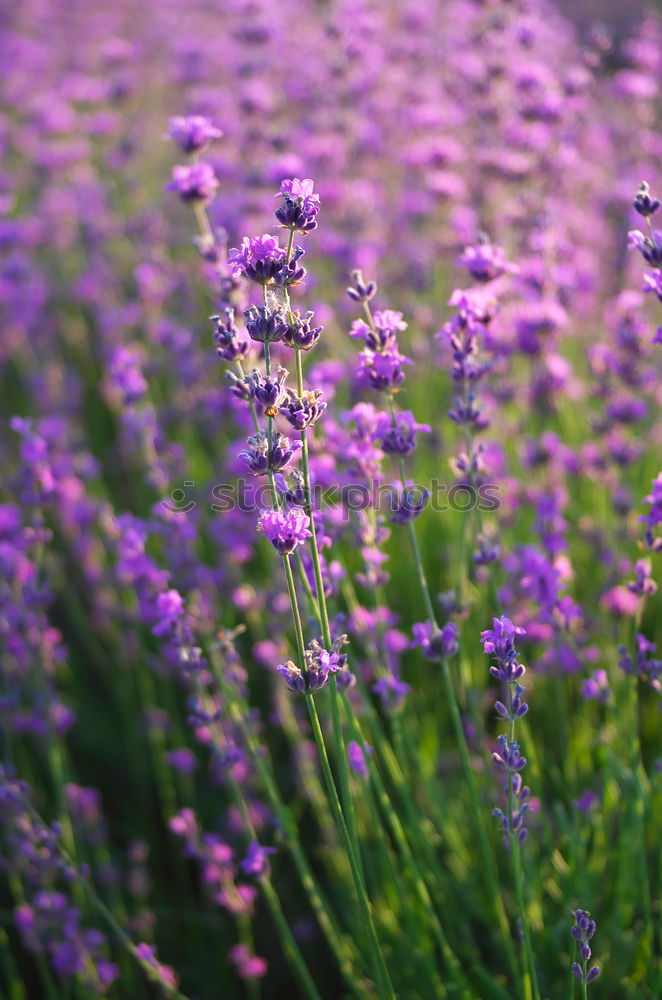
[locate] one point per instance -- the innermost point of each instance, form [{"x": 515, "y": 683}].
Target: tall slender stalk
[{"x": 460, "y": 736}]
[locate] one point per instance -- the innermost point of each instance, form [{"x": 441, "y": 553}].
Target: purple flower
[
  {"x": 356, "y": 757},
  {"x": 293, "y": 676},
  {"x": 516, "y": 707},
  {"x": 582, "y": 931},
  {"x": 268, "y": 390},
  {"x": 182, "y": 760},
  {"x": 319, "y": 663},
  {"x": 256, "y": 861},
  {"x": 285, "y": 530},
  {"x": 392, "y": 690},
  {"x": 195, "y": 182},
  {"x": 409, "y": 504},
  {"x": 500, "y": 642},
  {"x": 641, "y": 663},
  {"x": 650, "y": 247},
  {"x": 464, "y": 411},
  {"x": 508, "y": 757},
  {"x": 596, "y": 687},
  {"x": 303, "y": 411},
  {"x": 125, "y": 375},
  {"x": 230, "y": 345},
  {"x": 382, "y": 371},
  {"x": 383, "y": 333},
  {"x": 169, "y": 611},
  {"x": 266, "y": 325},
  {"x": 300, "y": 207},
  {"x": 643, "y": 202},
  {"x": 653, "y": 283},
  {"x": 654, "y": 515},
  {"x": 436, "y": 643},
  {"x": 643, "y": 583},
  {"x": 586, "y": 801},
  {"x": 291, "y": 273},
  {"x": 185, "y": 825},
  {"x": 249, "y": 966},
  {"x": 296, "y": 188},
  {"x": 261, "y": 456},
  {"x": 156, "y": 971},
  {"x": 361, "y": 290},
  {"x": 398, "y": 434},
  {"x": 300, "y": 332},
  {"x": 259, "y": 258},
  {"x": 193, "y": 133},
  {"x": 486, "y": 261},
  {"x": 488, "y": 551}
]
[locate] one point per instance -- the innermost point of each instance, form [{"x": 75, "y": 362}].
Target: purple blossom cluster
[
  {"x": 582, "y": 931},
  {"x": 499, "y": 642}
]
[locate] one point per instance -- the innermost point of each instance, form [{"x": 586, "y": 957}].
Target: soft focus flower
[
  {"x": 160, "y": 973},
  {"x": 596, "y": 687},
  {"x": 256, "y": 861},
  {"x": 248, "y": 966},
  {"x": 356, "y": 757},
  {"x": 436, "y": 643},
  {"x": 230, "y": 345},
  {"x": 397, "y": 435},
  {"x": 194, "y": 183},
  {"x": 486, "y": 261},
  {"x": 192, "y": 134}
]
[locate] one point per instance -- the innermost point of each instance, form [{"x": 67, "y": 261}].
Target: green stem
[
  {"x": 308, "y": 507},
  {"x": 296, "y": 616},
  {"x": 530, "y": 979},
  {"x": 276, "y": 910},
  {"x": 338, "y": 739},
  {"x": 289, "y": 941},
  {"x": 490, "y": 868},
  {"x": 343, "y": 950},
  {"x": 385, "y": 987},
  {"x": 403, "y": 845},
  {"x": 380, "y": 967},
  {"x": 457, "y": 724}
]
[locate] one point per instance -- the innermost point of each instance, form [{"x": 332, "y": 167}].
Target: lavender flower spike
[
  {"x": 319, "y": 663},
  {"x": 500, "y": 642},
  {"x": 583, "y": 930}
]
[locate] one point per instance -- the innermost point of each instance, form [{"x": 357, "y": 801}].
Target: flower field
[{"x": 331, "y": 508}]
